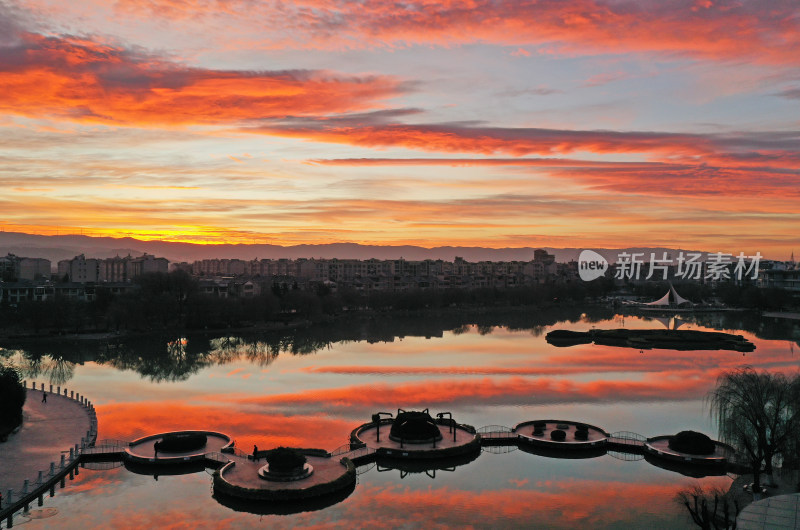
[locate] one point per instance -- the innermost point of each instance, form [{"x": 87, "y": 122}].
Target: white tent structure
[
  {"x": 671, "y": 299},
  {"x": 671, "y": 323}
]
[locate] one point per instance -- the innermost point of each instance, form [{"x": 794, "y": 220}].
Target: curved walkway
[
  {"x": 48, "y": 430},
  {"x": 781, "y": 512}
]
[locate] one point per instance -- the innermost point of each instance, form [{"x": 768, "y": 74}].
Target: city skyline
[{"x": 497, "y": 124}]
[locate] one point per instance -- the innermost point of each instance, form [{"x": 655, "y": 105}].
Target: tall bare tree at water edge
[{"x": 758, "y": 414}]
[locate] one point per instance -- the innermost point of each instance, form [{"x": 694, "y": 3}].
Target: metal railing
[
  {"x": 69, "y": 459},
  {"x": 626, "y": 456},
  {"x": 109, "y": 442},
  {"x": 496, "y": 431},
  {"x": 360, "y": 470},
  {"x": 241, "y": 454},
  {"x": 37, "y": 486},
  {"x": 493, "y": 429},
  {"x": 360, "y": 452},
  {"x": 499, "y": 449},
  {"x": 220, "y": 458},
  {"x": 627, "y": 438},
  {"x": 346, "y": 448}
]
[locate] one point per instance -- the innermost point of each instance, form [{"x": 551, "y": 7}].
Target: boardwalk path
[{"x": 48, "y": 430}]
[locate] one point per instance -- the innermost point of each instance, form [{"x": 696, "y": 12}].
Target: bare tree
[{"x": 710, "y": 510}]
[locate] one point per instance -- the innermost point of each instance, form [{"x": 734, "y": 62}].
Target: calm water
[{"x": 311, "y": 391}]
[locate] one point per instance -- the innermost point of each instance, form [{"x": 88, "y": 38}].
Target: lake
[{"x": 310, "y": 388}]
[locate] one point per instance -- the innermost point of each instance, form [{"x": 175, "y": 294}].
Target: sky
[{"x": 499, "y": 123}]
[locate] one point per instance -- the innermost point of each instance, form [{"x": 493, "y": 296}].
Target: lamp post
[
  {"x": 376, "y": 419},
  {"x": 452, "y": 422}
]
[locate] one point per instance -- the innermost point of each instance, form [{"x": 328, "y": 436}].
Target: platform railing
[
  {"x": 346, "y": 448},
  {"x": 496, "y": 431},
  {"x": 235, "y": 451},
  {"x": 217, "y": 457},
  {"x": 111, "y": 442},
  {"x": 627, "y": 438}
]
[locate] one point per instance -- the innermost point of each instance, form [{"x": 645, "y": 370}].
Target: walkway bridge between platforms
[
  {"x": 626, "y": 442},
  {"x": 104, "y": 450},
  {"x": 498, "y": 435}
]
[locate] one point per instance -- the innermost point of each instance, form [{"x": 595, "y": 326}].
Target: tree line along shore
[{"x": 175, "y": 300}]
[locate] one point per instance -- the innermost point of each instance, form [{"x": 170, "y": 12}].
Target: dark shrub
[
  {"x": 12, "y": 398},
  {"x": 558, "y": 435},
  {"x": 563, "y": 426},
  {"x": 182, "y": 443},
  {"x": 581, "y": 427},
  {"x": 538, "y": 432},
  {"x": 540, "y": 425},
  {"x": 691, "y": 442},
  {"x": 284, "y": 460},
  {"x": 582, "y": 435}
]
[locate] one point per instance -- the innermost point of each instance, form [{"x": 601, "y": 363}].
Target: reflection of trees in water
[
  {"x": 156, "y": 359},
  {"x": 538, "y": 331},
  {"x": 58, "y": 370},
  {"x": 460, "y": 330},
  {"x": 709, "y": 508},
  {"x": 53, "y": 368},
  {"x": 485, "y": 329},
  {"x": 177, "y": 357},
  {"x": 767, "y": 328},
  {"x": 225, "y": 350}
]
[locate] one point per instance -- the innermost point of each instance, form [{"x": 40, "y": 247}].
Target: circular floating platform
[
  {"x": 558, "y": 437},
  {"x": 241, "y": 479},
  {"x": 658, "y": 447},
  {"x": 142, "y": 451},
  {"x": 285, "y": 507},
  {"x": 455, "y": 441}
]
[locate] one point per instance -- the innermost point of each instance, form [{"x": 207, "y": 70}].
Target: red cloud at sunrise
[{"x": 84, "y": 80}]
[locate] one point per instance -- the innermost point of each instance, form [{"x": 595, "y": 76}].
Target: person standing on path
[
  {"x": 44, "y": 396},
  {"x": 255, "y": 453}
]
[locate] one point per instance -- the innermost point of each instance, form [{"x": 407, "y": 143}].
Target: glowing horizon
[{"x": 503, "y": 124}]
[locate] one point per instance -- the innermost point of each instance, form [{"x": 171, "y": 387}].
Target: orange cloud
[
  {"x": 88, "y": 81},
  {"x": 760, "y": 163},
  {"x": 710, "y": 174},
  {"x": 450, "y": 138},
  {"x": 719, "y": 31}
]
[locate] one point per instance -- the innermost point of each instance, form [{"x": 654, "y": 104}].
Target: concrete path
[
  {"x": 755, "y": 518},
  {"x": 781, "y": 512},
  {"x": 48, "y": 429}
]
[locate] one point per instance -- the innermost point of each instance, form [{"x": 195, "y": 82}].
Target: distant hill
[{"x": 56, "y": 248}]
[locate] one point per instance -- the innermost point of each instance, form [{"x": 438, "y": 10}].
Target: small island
[{"x": 646, "y": 339}]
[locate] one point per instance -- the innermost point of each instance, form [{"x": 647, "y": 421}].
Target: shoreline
[{"x": 276, "y": 326}]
